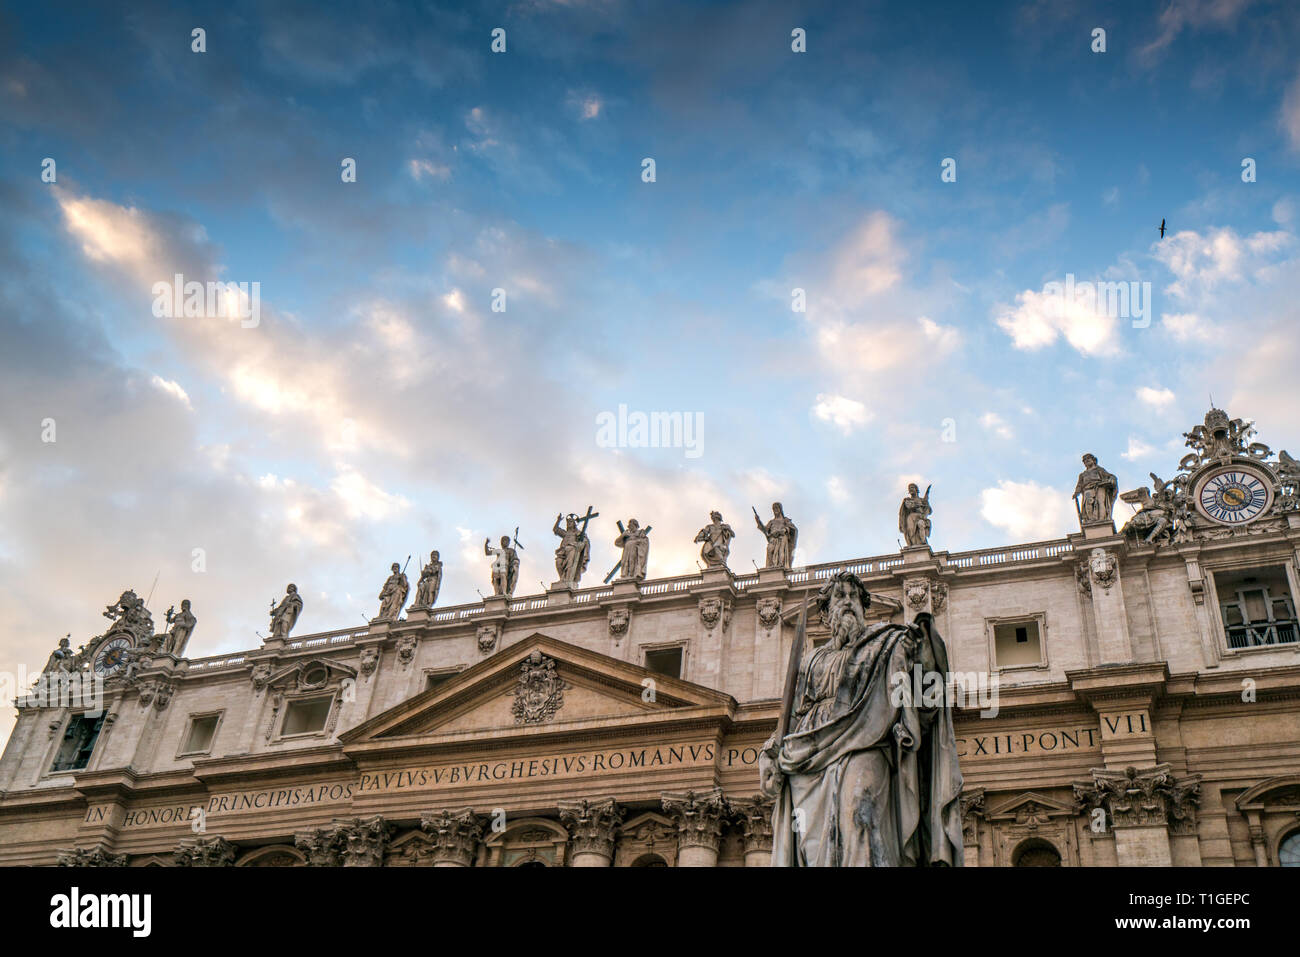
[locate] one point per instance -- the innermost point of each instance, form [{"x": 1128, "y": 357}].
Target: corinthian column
[
  {"x": 213, "y": 851},
  {"x": 455, "y": 836},
  {"x": 592, "y": 826},
  {"x": 698, "y": 816},
  {"x": 754, "y": 815},
  {"x": 1142, "y": 808},
  {"x": 362, "y": 841}
]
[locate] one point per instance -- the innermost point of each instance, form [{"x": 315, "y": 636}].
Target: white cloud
[
  {"x": 844, "y": 413},
  {"x": 997, "y": 425},
  {"x": 426, "y": 169},
  {"x": 1137, "y": 449},
  {"x": 1188, "y": 327},
  {"x": 173, "y": 389},
  {"x": 1160, "y": 398},
  {"x": 1038, "y": 319},
  {"x": 1200, "y": 263},
  {"x": 1027, "y": 511},
  {"x": 836, "y": 489}
]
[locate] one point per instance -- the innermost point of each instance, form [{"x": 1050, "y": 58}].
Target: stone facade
[{"x": 1131, "y": 724}]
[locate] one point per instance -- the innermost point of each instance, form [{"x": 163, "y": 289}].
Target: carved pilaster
[
  {"x": 455, "y": 835},
  {"x": 698, "y": 816},
  {"x": 213, "y": 851},
  {"x": 361, "y": 841},
  {"x": 972, "y": 810},
  {"x": 90, "y": 857},
  {"x": 592, "y": 826}
]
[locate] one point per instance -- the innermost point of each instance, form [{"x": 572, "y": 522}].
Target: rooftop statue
[
  {"x": 505, "y": 565},
  {"x": 781, "y": 535},
  {"x": 426, "y": 589},
  {"x": 914, "y": 516},
  {"x": 574, "y": 553},
  {"x": 285, "y": 615},
  {"x": 716, "y": 536},
  {"x": 1094, "y": 492},
  {"x": 393, "y": 595}
]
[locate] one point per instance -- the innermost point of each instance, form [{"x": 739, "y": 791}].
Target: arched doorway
[{"x": 1035, "y": 852}]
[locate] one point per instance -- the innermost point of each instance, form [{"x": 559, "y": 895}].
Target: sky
[{"x": 922, "y": 178}]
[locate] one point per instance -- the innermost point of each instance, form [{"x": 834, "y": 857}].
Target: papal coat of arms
[{"x": 540, "y": 691}]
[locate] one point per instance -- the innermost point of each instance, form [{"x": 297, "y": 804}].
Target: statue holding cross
[{"x": 575, "y": 547}]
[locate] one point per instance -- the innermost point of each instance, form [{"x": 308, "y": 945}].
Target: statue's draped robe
[
  {"x": 636, "y": 549},
  {"x": 780, "y": 534},
  {"x": 878, "y": 784},
  {"x": 393, "y": 595},
  {"x": 572, "y": 556}
]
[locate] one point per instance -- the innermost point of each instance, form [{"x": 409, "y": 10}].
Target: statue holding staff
[{"x": 781, "y": 535}]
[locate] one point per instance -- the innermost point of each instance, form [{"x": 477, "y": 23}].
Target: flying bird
[{"x": 1162, "y": 229}]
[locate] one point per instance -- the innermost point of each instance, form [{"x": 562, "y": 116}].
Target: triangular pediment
[
  {"x": 1031, "y": 804},
  {"x": 536, "y": 686}
]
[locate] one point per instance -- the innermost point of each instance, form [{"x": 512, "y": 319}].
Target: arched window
[
  {"x": 1288, "y": 852},
  {"x": 1036, "y": 852},
  {"x": 649, "y": 860}
]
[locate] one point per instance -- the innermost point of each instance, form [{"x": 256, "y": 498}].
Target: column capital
[
  {"x": 592, "y": 825},
  {"x": 698, "y": 816},
  {"x": 1148, "y": 797},
  {"x": 754, "y": 817},
  {"x": 213, "y": 851},
  {"x": 320, "y": 846},
  {"x": 361, "y": 841},
  {"x": 455, "y": 834},
  {"x": 90, "y": 857}
]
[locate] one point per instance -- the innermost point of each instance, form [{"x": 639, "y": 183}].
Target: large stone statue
[
  {"x": 393, "y": 595},
  {"x": 61, "y": 658},
  {"x": 426, "y": 589},
  {"x": 285, "y": 615},
  {"x": 182, "y": 626},
  {"x": 914, "y": 516},
  {"x": 574, "y": 553},
  {"x": 866, "y": 775},
  {"x": 635, "y": 542},
  {"x": 781, "y": 537},
  {"x": 1094, "y": 492},
  {"x": 716, "y": 536},
  {"x": 505, "y": 566}
]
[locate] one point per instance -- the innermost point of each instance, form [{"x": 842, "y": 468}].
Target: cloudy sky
[{"x": 382, "y": 408}]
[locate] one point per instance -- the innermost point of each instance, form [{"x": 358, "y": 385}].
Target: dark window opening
[
  {"x": 665, "y": 661},
  {"x": 78, "y": 742}
]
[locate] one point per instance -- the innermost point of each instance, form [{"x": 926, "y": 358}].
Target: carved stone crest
[
  {"x": 539, "y": 693},
  {"x": 487, "y": 637},
  {"x": 369, "y": 661},
  {"x": 713, "y": 610},
  {"x": 769, "y": 611},
  {"x": 917, "y": 591},
  {"x": 619, "y": 619},
  {"x": 1105, "y": 570},
  {"x": 406, "y": 649},
  {"x": 157, "y": 692}
]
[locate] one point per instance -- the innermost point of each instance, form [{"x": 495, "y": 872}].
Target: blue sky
[{"x": 381, "y": 408}]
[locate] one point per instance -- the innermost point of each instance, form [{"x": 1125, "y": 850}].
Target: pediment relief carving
[{"x": 316, "y": 674}]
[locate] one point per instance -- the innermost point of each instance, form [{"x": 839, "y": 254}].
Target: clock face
[
  {"x": 1233, "y": 495},
  {"x": 112, "y": 656}
]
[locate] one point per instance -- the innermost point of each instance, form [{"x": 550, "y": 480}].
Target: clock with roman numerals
[{"x": 1233, "y": 495}]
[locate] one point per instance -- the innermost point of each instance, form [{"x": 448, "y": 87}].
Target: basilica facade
[{"x": 1123, "y": 695}]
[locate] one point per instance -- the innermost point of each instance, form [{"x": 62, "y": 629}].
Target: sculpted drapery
[{"x": 866, "y": 776}]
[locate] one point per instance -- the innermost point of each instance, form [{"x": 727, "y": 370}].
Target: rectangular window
[
  {"x": 78, "y": 742},
  {"x": 434, "y": 679},
  {"x": 1256, "y": 607},
  {"x": 307, "y": 716},
  {"x": 1017, "y": 643},
  {"x": 665, "y": 661},
  {"x": 202, "y": 730}
]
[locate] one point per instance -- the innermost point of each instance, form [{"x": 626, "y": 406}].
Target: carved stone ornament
[
  {"x": 213, "y": 851},
  {"x": 369, "y": 661},
  {"x": 938, "y": 596},
  {"x": 917, "y": 591},
  {"x": 315, "y": 674},
  {"x": 488, "y": 636},
  {"x": 698, "y": 816},
  {"x": 1104, "y": 568},
  {"x": 769, "y": 611},
  {"x": 455, "y": 835},
  {"x": 619, "y": 619},
  {"x": 90, "y": 857},
  {"x": 1083, "y": 577},
  {"x": 406, "y": 649},
  {"x": 754, "y": 817},
  {"x": 361, "y": 841},
  {"x": 972, "y": 809},
  {"x": 261, "y": 674},
  {"x": 539, "y": 693},
  {"x": 157, "y": 692},
  {"x": 592, "y": 825},
  {"x": 1145, "y": 798},
  {"x": 320, "y": 846},
  {"x": 714, "y": 609}
]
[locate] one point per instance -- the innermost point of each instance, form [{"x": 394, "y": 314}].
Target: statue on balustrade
[
  {"x": 285, "y": 615},
  {"x": 914, "y": 516},
  {"x": 716, "y": 536},
  {"x": 182, "y": 626},
  {"x": 505, "y": 566},
  {"x": 781, "y": 535},
  {"x": 426, "y": 589},
  {"x": 393, "y": 595},
  {"x": 635, "y": 542},
  {"x": 1094, "y": 492}
]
